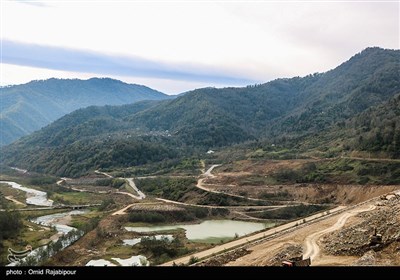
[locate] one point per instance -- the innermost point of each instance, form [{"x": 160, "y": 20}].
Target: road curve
[
  {"x": 246, "y": 239},
  {"x": 133, "y": 186},
  {"x": 123, "y": 210},
  {"x": 311, "y": 247},
  {"x": 208, "y": 174},
  {"x": 103, "y": 173}
]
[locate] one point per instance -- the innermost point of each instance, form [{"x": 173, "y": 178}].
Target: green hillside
[
  {"x": 28, "y": 107},
  {"x": 314, "y": 111}
]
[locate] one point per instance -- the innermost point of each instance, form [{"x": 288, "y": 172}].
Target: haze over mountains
[
  {"x": 334, "y": 103},
  {"x": 28, "y": 107}
]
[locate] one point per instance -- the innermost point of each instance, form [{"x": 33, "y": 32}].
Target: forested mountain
[
  {"x": 208, "y": 118},
  {"x": 377, "y": 129},
  {"x": 28, "y": 107},
  {"x": 367, "y": 79}
]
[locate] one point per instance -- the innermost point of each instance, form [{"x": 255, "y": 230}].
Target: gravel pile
[
  {"x": 224, "y": 258},
  {"x": 355, "y": 240},
  {"x": 288, "y": 251}
]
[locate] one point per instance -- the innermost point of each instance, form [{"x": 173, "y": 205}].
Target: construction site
[{"x": 367, "y": 234}]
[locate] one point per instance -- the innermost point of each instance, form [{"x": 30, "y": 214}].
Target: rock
[{"x": 368, "y": 259}]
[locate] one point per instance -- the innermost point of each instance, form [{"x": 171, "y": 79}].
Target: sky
[{"x": 176, "y": 46}]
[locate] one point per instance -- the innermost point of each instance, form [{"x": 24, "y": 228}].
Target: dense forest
[
  {"x": 354, "y": 106},
  {"x": 28, "y": 107}
]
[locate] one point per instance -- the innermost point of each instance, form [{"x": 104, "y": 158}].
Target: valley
[
  {"x": 256, "y": 175},
  {"x": 121, "y": 226}
]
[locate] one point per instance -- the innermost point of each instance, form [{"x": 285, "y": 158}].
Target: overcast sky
[{"x": 175, "y": 46}]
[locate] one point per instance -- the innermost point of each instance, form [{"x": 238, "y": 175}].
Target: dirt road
[
  {"x": 129, "y": 194},
  {"x": 123, "y": 210},
  {"x": 308, "y": 235},
  {"x": 373, "y": 159},
  {"x": 208, "y": 172},
  {"x": 11, "y": 198},
  {"x": 103, "y": 173},
  {"x": 244, "y": 240},
  {"x": 133, "y": 186},
  {"x": 200, "y": 184},
  {"x": 311, "y": 247}
]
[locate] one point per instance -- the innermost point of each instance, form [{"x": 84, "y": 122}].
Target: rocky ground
[
  {"x": 224, "y": 258},
  {"x": 288, "y": 252},
  {"x": 355, "y": 239}
]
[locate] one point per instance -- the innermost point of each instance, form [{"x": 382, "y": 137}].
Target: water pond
[{"x": 210, "y": 231}]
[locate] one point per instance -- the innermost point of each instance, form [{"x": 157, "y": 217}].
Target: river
[
  {"x": 54, "y": 220},
  {"x": 58, "y": 220},
  {"x": 34, "y": 197}
]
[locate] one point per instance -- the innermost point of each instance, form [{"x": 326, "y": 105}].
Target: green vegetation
[
  {"x": 343, "y": 171},
  {"x": 10, "y": 226},
  {"x": 278, "y": 120},
  {"x": 45, "y": 252},
  {"x": 280, "y": 195},
  {"x": 85, "y": 224},
  {"x": 107, "y": 204},
  {"x": 290, "y": 212},
  {"x": 168, "y": 188},
  {"x": 193, "y": 260},
  {"x": 186, "y": 214},
  {"x": 111, "y": 182},
  {"x": 163, "y": 249},
  {"x": 189, "y": 166},
  {"x": 184, "y": 189},
  {"x": 39, "y": 180},
  {"x": 28, "y": 107},
  {"x": 146, "y": 217},
  {"x": 74, "y": 198}
]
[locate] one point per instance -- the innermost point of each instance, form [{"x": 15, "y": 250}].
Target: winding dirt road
[
  {"x": 123, "y": 210},
  {"x": 247, "y": 239},
  {"x": 311, "y": 247},
  {"x": 200, "y": 184},
  {"x": 133, "y": 186},
  {"x": 103, "y": 173},
  {"x": 11, "y": 198}
]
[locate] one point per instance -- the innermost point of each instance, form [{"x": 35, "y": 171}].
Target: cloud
[
  {"x": 32, "y": 3},
  {"x": 85, "y": 61}
]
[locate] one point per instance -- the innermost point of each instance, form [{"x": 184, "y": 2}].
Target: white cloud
[{"x": 260, "y": 40}]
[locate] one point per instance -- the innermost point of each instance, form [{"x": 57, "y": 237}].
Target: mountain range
[
  {"x": 29, "y": 107},
  {"x": 334, "y": 103}
]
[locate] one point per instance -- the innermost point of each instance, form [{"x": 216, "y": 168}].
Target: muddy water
[
  {"x": 54, "y": 220},
  {"x": 134, "y": 241},
  {"x": 210, "y": 231},
  {"x": 34, "y": 197}
]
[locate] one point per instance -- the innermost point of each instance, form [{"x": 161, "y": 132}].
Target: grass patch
[
  {"x": 76, "y": 198},
  {"x": 29, "y": 214},
  {"x": 7, "y": 190},
  {"x": 290, "y": 212},
  {"x": 343, "y": 171},
  {"x": 120, "y": 251},
  {"x": 168, "y": 188}
]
